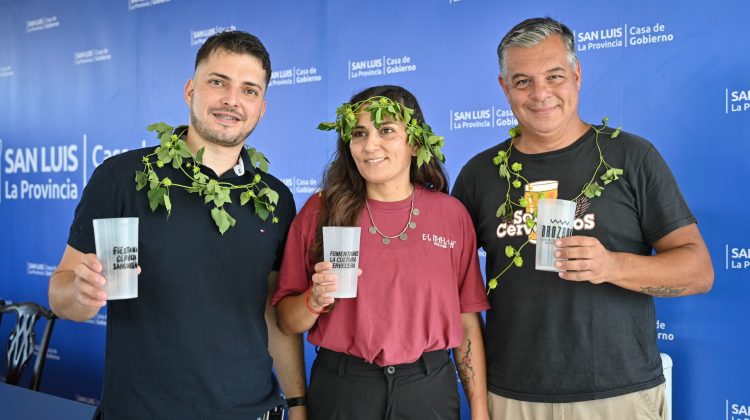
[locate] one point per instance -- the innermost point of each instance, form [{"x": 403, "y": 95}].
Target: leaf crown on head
[{"x": 419, "y": 135}]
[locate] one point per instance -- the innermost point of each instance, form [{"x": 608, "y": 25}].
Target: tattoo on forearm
[
  {"x": 466, "y": 371},
  {"x": 662, "y": 291}
]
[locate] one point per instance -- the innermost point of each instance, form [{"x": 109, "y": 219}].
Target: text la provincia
[{"x": 49, "y": 172}]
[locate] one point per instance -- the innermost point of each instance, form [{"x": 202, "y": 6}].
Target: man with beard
[{"x": 197, "y": 341}]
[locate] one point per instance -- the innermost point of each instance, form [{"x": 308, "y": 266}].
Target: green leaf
[
  {"x": 166, "y": 139},
  {"x": 220, "y": 219},
  {"x": 593, "y": 190},
  {"x": 327, "y": 126},
  {"x": 604, "y": 121},
  {"x": 616, "y": 132},
  {"x": 183, "y": 149},
  {"x": 199, "y": 156},
  {"x": 501, "y": 210},
  {"x": 504, "y": 171},
  {"x": 518, "y": 261},
  {"x": 244, "y": 198},
  {"x": 156, "y": 197},
  {"x": 423, "y": 156},
  {"x": 261, "y": 210},
  {"x": 167, "y": 203},
  {"x": 141, "y": 179},
  {"x": 273, "y": 196},
  {"x": 153, "y": 180},
  {"x": 160, "y": 127},
  {"x": 509, "y": 251},
  {"x": 222, "y": 196}
]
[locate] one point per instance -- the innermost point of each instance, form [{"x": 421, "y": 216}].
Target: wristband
[
  {"x": 295, "y": 402},
  {"x": 310, "y": 308}
]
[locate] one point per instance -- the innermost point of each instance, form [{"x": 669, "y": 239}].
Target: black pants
[{"x": 343, "y": 387}]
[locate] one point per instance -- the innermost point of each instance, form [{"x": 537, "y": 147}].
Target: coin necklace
[{"x": 409, "y": 224}]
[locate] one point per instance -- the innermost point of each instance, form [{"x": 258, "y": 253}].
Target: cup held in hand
[
  {"x": 341, "y": 248},
  {"x": 117, "y": 249},
  {"x": 555, "y": 219}
]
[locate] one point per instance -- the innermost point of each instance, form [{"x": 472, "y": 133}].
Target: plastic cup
[
  {"x": 341, "y": 247},
  {"x": 117, "y": 248},
  {"x": 554, "y": 220}
]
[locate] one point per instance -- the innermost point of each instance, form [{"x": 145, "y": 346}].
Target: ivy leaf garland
[
  {"x": 419, "y": 135},
  {"x": 511, "y": 173},
  {"x": 174, "y": 151}
]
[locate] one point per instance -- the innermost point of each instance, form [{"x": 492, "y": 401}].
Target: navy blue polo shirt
[{"x": 194, "y": 343}]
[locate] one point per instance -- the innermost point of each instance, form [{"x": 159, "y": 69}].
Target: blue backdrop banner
[{"x": 81, "y": 79}]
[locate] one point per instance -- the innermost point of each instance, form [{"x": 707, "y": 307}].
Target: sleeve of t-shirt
[
  {"x": 102, "y": 198},
  {"x": 296, "y": 270},
  {"x": 286, "y": 220},
  {"x": 461, "y": 192},
  {"x": 471, "y": 292},
  {"x": 661, "y": 206}
]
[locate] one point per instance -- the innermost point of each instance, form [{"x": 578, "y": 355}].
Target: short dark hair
[
  {"x": 236, "y": 42},
  {"x": 531, "y": 32}
]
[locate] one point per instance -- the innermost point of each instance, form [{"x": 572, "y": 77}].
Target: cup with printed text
[
  {"x": 554, "y": 220},
  {"x": 341, "y": 248},
  {"x": 117, "y": 249}
]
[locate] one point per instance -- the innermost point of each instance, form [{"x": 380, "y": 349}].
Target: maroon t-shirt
[{"x": 411, "y": 293}]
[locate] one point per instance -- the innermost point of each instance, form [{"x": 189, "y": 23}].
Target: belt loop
[
  {"x": 425, "y": 364},
  {"x": 342, "y": 363}
]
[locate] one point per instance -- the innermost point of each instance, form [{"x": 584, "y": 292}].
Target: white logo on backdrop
[
  {"x": 662, "y": 331},
  {"x": 137, "y": 4},
  {"x": 295, "y": 76},
  {"x": 380, "y": 66},
  {"x": 482, "y": 118},
  {"x": 99, "y": 320},
  {"x": 6, "y": 71},
  {"x": 39, "y": 269},
  {"x": 737, "y": 411},
  {"x": 301, "y": 185},
  {"x": 736, "y": 100},
  {"x": 737, "y": 258},
  {"x": 198, "y": 37},
  {"x": 91, "y": 56},
  {"x": 622, "y": 36},
  {"x": 20, "y": 180},
  {"x": 42, "y": 23}
]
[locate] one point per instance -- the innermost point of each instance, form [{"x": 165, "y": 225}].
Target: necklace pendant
[
  {"x": 402, "y": 236},
  {"x": 386, "y": 241},
  {"x": 415, "y": 212},
  {"x": 373, "y": 230},
  {"x": 412, "y": 225}
]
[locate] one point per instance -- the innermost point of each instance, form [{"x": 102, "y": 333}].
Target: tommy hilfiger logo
[{"x": 440, "y": 241}]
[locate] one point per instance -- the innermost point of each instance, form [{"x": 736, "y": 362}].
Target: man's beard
[{"x": 214, "y": 136}]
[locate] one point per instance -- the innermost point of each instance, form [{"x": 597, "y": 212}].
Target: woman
[{"x": 383, "y": 354}]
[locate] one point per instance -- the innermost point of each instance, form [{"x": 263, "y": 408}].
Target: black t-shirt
[
  {"x": 553, "y": 340},
  {"x": 194, "y": 343}
]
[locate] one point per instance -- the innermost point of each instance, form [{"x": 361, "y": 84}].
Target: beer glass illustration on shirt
[{"x": 532, "y": 193}]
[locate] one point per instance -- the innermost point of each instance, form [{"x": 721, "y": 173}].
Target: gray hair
[{"x": 532, "y": 32}]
